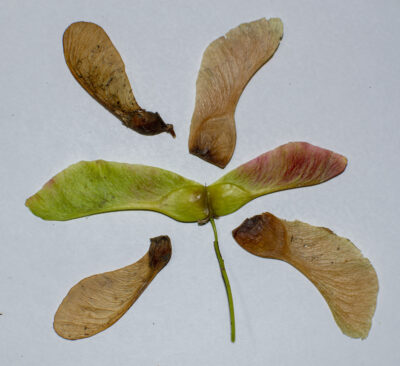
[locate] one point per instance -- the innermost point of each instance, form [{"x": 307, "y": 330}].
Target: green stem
[{"x": 226, "y": 280}]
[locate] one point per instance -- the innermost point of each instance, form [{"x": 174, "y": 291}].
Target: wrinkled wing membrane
[
  {"x": 227, "y": 66},
  {"x": 97, "y": 66},
  {"x": 97, "y": 302},
  {"x": 345, "y": 278}
]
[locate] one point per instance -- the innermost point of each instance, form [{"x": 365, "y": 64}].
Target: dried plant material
[
  {"x": 345, "y": 278},
  {"x": 293, "y": 165},
  {"x": 97, "y": 66},
  {"x": 227, "y": 66},
  {"x": 88, "y": 188},
  {"x": 97, "y": 302}
]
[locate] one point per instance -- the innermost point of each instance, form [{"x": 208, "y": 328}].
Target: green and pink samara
[{"x": 88, "y": 188}]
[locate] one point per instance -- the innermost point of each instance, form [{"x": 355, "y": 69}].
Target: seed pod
[
  {"x": 227, "y": 66},
  {"x": 96, "y": 64},
  {"x": 345, "y": 278},
  {"x": 97, "y": 302},
  {"x": 293, "y": 165},
  {"x": 92, "y": 187}
]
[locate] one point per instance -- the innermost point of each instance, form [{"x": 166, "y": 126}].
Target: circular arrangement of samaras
[{"x": 345, "y": 278}]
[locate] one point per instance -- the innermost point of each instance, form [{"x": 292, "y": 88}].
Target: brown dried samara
[
  {"x": 97, "y": 66},
  {"x": 227, "y": 66},
  {"x": 345, "y": 278},
  {"x": 97, "y": 302}
]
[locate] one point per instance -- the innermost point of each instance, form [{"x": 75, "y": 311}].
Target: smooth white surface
[{"x": 333, "y": 82}]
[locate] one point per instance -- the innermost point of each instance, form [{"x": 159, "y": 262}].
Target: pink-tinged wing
[{"x": 296, "y": 164}]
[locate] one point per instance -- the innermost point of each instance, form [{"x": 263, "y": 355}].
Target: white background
[{"x": 334, "y": 82}]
